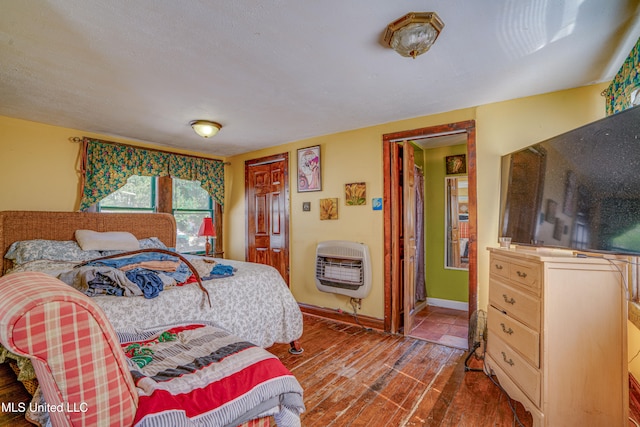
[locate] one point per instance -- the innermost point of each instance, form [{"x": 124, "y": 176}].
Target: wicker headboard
[{"x": 28, "y": 225}]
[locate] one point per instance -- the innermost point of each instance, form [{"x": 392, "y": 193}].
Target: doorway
[
  {"x": 400, "y": 306},
  {"x": 266, "y": 183}
]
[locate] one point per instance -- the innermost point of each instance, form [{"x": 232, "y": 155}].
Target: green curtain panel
[
  {"x": 618, "y": 94},
  {"x": 106, "y": 166}
]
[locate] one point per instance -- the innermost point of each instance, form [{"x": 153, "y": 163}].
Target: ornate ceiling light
[{"x": 414, "y": 33}]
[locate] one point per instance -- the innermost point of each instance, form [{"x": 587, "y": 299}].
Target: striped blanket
[{"x": 189, "y": 375}]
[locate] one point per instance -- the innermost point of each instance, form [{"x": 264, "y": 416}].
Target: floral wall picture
[
  {"x": 355, "y": 194},
  {"x": 309, "y": 177},
  {"x": 328, "y": 209}
]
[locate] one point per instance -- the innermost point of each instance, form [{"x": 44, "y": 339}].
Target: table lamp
[{"x": 208, "y": 230}]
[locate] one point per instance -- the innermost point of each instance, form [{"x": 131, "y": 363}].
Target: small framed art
[
  {"x": 309, "y": 170},
  {"x": 456, "y": 164},
  {"x": 355, "y": 194}
]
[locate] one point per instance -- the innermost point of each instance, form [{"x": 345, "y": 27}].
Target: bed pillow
[
  {"x": 90, "y": 240},
  {"x": 31, "y": 250},
  {"x": 148, "y": 243},
  {"x": 152, "y": 243}
]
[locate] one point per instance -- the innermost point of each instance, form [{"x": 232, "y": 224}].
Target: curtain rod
[{"x": 79, "y": 140}]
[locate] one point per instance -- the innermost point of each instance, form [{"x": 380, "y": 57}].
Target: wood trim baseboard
[
  {"x": 342, "y": 317},
  {"x": 634, "y": 393}
]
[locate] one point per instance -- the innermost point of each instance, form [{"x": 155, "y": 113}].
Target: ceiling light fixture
[
  {"x": 205, "y": 128},
  {"x": 414, "y": 33}
]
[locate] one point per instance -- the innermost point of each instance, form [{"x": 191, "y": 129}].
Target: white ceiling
[{"x": 278, "y": 71}]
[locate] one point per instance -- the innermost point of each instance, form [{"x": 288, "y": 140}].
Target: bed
[{"x": 254, "y": 304}]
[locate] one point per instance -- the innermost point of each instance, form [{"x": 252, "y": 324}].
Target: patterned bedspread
[
  {"x": 254, "y": 304},
  {"x": 201, "y": 375}
]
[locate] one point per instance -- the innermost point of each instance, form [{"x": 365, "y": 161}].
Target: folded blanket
[{"x": 202, "y": 375}]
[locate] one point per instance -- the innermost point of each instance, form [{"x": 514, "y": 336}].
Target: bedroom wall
[
  {"x": 356, "y": 155},
  {"x": 352, "y": 156},
  {"x": 39, "y": 168}
]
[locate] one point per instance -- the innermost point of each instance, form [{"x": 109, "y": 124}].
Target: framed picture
[
  {"x": 328, "y": 208},
  {"x": 456, "y": 164},
  {"x": 309, "y": 171},
  {"x": 355, "y": 194}
]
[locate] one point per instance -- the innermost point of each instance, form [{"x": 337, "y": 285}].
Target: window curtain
[
  {"x": 106, "y": 166},
  {"x": 623, "y": 89}
]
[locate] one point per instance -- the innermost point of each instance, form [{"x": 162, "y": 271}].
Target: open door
[
  {"x": 409, "y": 232},
  {"x": 403, "y": 229}
]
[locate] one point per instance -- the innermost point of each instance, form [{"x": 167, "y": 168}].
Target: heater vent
[{"x": 343, "y": 267}]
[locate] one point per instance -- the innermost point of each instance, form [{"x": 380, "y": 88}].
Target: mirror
[{"x": 456, "y": 223}]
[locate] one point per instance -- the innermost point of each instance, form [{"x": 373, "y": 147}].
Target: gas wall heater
[{"x": 343, "y": 267}]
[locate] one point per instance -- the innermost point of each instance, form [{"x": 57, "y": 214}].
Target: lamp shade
[
  {"x": 205, "y": 128},
  {"x": 207, "y": 228}
]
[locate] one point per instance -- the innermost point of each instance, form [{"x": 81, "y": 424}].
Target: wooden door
[
  {"x": 267, "y": 219},
  {"x": 395, "y": 297},
  {"x": 409, "y": 235}
]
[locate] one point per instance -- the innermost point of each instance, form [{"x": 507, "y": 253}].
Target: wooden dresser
[{"x": 557, "y": 336}]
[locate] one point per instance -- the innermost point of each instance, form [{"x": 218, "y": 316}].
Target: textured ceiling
[{"x": 280, "y": 71}]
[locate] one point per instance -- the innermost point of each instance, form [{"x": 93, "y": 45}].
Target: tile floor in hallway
[{"x": 441, "y": 325}]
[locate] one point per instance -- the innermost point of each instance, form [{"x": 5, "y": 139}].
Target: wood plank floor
[{"x": 355, "y": 377}]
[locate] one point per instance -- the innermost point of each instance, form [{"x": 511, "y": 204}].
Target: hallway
[{"x": 441, "y": 325}]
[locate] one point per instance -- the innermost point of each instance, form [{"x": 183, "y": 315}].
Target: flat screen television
[{"x": 579, "y": 190}]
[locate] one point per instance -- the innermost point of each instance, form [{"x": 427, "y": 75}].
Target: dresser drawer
[
  {"x": 525, "y": 274},
  {"x": 515, "y": 303},
  {"x": 519, "y": 337},
  {"x": 500, "y": 266},
  {"x": 525, "y": 376}
]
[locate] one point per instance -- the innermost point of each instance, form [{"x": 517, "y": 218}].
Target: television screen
[{"x": 578, "y": 190}]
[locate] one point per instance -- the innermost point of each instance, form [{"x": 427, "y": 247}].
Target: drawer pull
[
  {"x": 499, "y": 267},
  {"x": 508, "y": 300},
  {"x": 505, "y": 330},
  {"x": 521, "y": 274},
  {"x": 508, "y": 362}
]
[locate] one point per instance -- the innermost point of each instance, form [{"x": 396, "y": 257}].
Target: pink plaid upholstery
[{"x": 74, "y": 350}]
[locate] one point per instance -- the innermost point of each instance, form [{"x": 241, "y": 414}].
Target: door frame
[{"x": 392, "y": 288}]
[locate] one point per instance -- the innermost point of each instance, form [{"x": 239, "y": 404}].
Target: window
[
  {"x": 137, "y": 195},
  {"x": 191, "y": 203}
]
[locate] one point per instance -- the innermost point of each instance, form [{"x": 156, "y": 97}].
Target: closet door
[{"x": 267, "y": 205}]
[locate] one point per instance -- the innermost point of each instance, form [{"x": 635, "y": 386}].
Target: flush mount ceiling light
[
  {"x": 414, "y": 33},
  {"x": 205, "y": 128}
]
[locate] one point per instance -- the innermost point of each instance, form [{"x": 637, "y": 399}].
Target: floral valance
[
  {"x": 624, "y": 85},
  {"x": 106, "y": 166}
]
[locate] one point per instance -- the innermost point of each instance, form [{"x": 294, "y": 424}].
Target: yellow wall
[
  {"x": 38, "y": 167},
  {"x": 353, "y": 156},
  {"x": 39, "y": 171}
]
